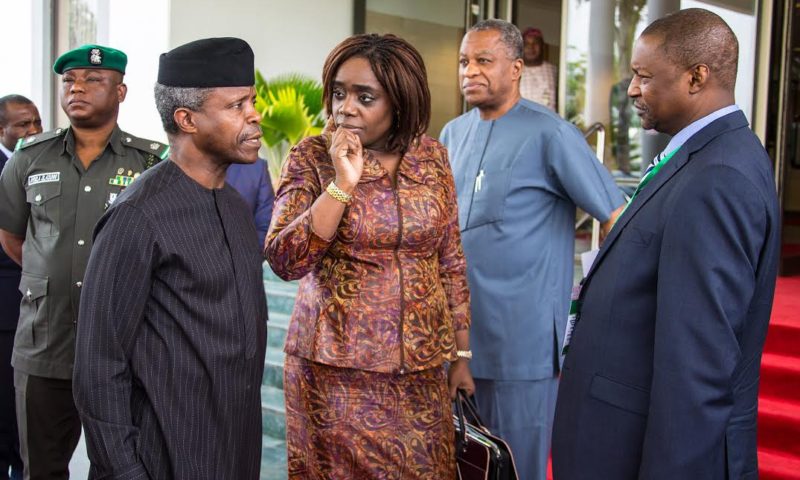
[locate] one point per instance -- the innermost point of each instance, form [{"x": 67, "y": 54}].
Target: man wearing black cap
[
  {"x": 52, "y": 191},
  {"x": 172, "y": 329}
]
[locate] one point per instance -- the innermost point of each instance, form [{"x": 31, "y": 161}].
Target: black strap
[
  {"x": 461, "y": 435},
  {"x": 465, "y": 403}
]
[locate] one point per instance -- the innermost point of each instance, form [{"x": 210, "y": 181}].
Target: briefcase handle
[
  {"x": 461, "y": 435},
  {"x": 465, "y": 404}
]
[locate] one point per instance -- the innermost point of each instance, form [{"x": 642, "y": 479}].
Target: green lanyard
[
  {"x": 575, "y": 301},
  {"x": 652, "y": 173}
]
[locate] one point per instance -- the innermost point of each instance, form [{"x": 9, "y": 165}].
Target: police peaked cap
[
  {"x": 92, "y": 56},
  {"x": 208, "y": 63}
]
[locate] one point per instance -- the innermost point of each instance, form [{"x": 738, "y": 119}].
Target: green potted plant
[{"x": 291, "y": 109}]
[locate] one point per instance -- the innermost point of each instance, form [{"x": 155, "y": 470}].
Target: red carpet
[{"x": 779, "y": 395}]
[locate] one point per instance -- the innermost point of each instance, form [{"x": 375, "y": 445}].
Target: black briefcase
[{"x": 479, "y": 454}]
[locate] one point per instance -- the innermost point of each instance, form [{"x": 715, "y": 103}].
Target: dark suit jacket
[
  {"x": 9, "y": 283},
  {"x": 661, "y": 379},
  {"x": 253, "y": 184}
]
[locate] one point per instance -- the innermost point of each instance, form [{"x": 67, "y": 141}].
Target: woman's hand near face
[{"x": 347, "y": 155}]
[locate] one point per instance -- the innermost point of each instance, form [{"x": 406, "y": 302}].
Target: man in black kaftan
[{"x": 171, "y": 334}]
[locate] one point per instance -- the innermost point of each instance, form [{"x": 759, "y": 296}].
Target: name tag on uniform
[
  {"x": 44, "y": 178},
  {"x": 574, "y": 316}
]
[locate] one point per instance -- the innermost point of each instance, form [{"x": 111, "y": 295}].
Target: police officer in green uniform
[{"x": 52, "y": 192}]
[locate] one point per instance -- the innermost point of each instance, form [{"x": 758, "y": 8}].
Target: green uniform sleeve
[{"x": 14, "y": 207}]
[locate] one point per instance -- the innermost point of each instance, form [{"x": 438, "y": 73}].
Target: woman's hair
[{"x": 399, "y": 68}]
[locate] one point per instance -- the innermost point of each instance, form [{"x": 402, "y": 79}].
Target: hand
[
  {"x": 459, "y": 377},
  {"x": 347, "y": 155}
]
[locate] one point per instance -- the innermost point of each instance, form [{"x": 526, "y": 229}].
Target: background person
[
  {"x": 19, "y": 118},
  {"x": 52, "y": 191},
  {"x": 661, "y": 378},
  {"x": 539, "y": 82},
  {"x": 520, "y": 170},
  {"x": 366, "y": 215},
  {"x": 170, "y": 348}
]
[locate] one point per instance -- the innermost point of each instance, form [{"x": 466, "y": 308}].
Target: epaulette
[
  {"x": 26, "y": 142},
  {"x": 154, "y": 151}
]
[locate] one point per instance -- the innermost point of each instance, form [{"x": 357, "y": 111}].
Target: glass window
[
  {"x": 599, "y": 40},
  {"x": 435, "y": 29},
  {"x": 139, "y": 29},
  {"x": 22, "y": 54}
]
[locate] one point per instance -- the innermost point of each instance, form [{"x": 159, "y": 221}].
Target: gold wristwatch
[{"x": 338, "y": 193}]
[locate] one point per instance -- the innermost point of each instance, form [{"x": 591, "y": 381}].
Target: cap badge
[
  {"x": 153, "y": 146},
  {"x": 96, "y": 56}
]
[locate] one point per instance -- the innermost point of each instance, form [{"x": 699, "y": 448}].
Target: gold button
[
  {"x": 87, "y": 188},
  {"x": 79, "y": 284},
  {"x": 81, "y": 242},
  {"x": 38, "y": 198}
]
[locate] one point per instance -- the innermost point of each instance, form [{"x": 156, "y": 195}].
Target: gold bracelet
[
  {"x": 338, "y": 193},
  {"x": 465, "y": 354}
]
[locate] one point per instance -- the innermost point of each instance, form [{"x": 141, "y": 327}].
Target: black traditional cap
[
  {"x": 92, "y": 56},
  {"x": 208, "y": 63}
]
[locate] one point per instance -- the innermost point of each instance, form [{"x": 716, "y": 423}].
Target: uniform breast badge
[{"x": 120, "y": 180}]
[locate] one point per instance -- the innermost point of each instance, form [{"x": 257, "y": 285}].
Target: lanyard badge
[{"x": 574, "y": 316}]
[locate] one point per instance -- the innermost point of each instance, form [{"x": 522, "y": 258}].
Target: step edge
[
  {"x": 776, "y": 454},
  {"x": 274, "y": 293},
  {"x": 273, "y": 409},
  {"x": 771, "y": 411},
  {"x": 781, "y": 360},
  {"x": 771, "y": 402}
]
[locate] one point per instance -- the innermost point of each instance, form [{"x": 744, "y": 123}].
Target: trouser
[
  {"x": 9, "y": 438},
  {"x": 521, "y": 413},
  {"x": 49, "y": 425}
]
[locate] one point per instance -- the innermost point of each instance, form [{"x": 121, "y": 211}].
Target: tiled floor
[
  {"x": 79, "y": 466},
  {"x": 274, "y": 454}
]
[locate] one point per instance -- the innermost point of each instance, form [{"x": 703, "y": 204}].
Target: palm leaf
[
  {"x": 291, "y": 109},
  {"x": 286, "y": 115},
  {"x": 308, "y": 88}
]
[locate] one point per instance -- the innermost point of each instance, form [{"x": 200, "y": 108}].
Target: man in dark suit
[
  {"x": 661, "y": 376},
  {"x": 19, "y": 118}
]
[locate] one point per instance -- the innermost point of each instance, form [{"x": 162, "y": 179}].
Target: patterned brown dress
[{"x": 375, "y": 318}]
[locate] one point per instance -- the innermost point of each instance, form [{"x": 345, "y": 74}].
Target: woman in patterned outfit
[{"x": 366, "y": 215}]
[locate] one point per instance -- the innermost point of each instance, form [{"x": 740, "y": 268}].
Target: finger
[
  {"x": 357, "y": 142},
  {"x": 353, "y": 146},
  {"x": 340, "y": 145}
]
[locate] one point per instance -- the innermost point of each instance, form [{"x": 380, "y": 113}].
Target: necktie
[{"x": 652, "y": 165}]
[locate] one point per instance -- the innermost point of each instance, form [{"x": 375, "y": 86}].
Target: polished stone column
[
  {"x": 600, "y": 71},
  {"x": 653, "y": 142}
]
